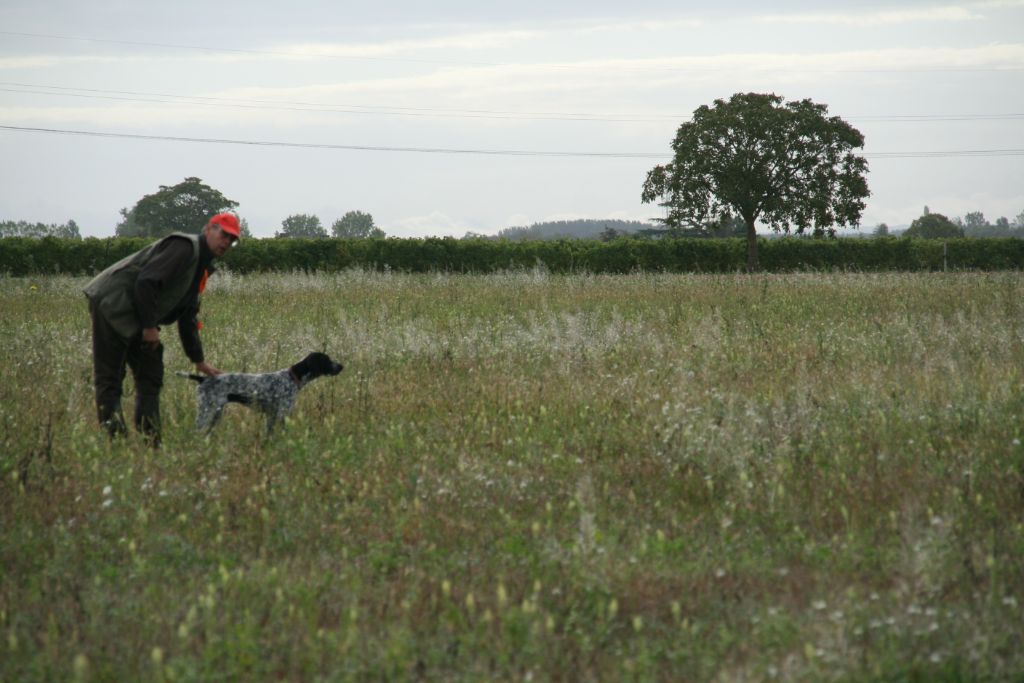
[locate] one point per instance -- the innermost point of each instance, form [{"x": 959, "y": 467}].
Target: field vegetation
[{"x": 528, "y": 476}]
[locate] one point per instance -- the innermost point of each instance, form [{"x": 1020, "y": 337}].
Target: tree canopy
[
  {"x": 246, "y": 232},
  {"x": 786, "y": 164},
  {"x": 975, "y": 224},
  {"x": 974, "y": 219},
  {"x": 356, "y": 224},
  {"x": 185, "y": 207},
  {"x": 933, "y": 226},
  {"x": 301, "y": 225},
  {"x": 67, "y": 230}
]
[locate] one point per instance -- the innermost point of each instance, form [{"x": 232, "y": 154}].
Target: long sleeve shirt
[{"x": 169, "y": 262}]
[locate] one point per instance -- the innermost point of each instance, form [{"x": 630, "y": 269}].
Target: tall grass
[{"x": 524, "y": 476}]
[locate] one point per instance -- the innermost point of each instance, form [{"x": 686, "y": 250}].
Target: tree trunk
[{"x": 753, "y": 265}]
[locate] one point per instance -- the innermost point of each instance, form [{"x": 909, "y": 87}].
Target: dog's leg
[
  {"x": 274, "y": 416},
  {"x": 211, "y": 407},
  {"x": 215, "y": 418},
  {"x": 278, "y": 413},
  {"x": 207, "y": 417}
]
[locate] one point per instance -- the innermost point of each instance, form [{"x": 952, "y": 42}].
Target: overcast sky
[{"x": 322, "y": 79}]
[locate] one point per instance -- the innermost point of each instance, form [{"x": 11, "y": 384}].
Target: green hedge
[
  {"x": 20, "y": 256},
  {"x": 30, "y": 256}
]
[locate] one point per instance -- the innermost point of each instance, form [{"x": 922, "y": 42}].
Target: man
[{"x": 129, "y": 301}]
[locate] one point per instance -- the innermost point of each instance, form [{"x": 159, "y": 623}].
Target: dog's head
[{"x": 316, "y": 365}]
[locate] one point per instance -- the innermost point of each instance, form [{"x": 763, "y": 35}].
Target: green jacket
[{"x": 112, "y": 292}]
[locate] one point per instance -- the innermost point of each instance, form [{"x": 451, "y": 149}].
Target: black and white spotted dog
[{"x": 272, "y": 393}]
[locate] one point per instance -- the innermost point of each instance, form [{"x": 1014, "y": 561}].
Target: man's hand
[
  {"x": 207, "y": 369},
  {"x": 151, "y": 337}
]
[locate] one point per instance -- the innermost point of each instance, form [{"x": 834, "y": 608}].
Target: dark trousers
[{"x": 110, "y": 353}]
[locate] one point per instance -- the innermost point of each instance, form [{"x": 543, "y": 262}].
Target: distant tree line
[
  {"x": 975, "y": 224},
  {"x": 67, "y": 230},
  {"x": 568, "y": 229},
  {"x": 354, "y": 224},
  {"x": 610, "y": 229},
  {"x": 357, "y": 224},
  {"x": 187, "y": 206},
  {"x": 931, "y": 225}
]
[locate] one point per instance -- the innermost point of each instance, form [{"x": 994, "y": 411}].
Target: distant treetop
[{"x": 184, "y": 207}]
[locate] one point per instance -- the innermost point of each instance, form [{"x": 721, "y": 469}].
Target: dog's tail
[{"x": 199, "y": 379}]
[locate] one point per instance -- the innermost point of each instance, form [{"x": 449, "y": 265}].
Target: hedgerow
[{"x": 21, "y": 256}]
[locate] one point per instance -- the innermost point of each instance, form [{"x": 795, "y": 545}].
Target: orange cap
[{"x": 228, "y": 222}]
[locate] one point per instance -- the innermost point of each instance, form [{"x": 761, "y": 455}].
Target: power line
[
  {"x": 489, "y": 152},
  {"x": 289, "y": 105},
  {"x": 365, "y": 148},
  {"x": 286, "y": 105},
  {"x": 925, "y": 118},
  {"x": 322, "y": 55},
  {"x": 952, "y": 153}
]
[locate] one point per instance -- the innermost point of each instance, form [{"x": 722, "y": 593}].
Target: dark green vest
[{"x": 113, "y": 291}]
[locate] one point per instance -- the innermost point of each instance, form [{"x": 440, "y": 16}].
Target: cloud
[
  {"x": 636, "y": 74},
  {"x": 620, "y": 27},
  {"x": 998, "y": 4},
  {"x": 483, "y": 39},
  {"x": 465, "y": 41},
  {"x": 482, "y": 94},
  {"x": 404, "y": 49},
  {"x": 877, "y": 17}
]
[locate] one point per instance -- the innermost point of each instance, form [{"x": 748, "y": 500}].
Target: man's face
[{"x": 218, "y": 240}]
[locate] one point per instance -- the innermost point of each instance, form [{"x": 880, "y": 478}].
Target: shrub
[{"x": 21, "y": 256}]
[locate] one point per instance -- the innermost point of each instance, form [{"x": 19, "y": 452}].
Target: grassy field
[{"x": 531, "y": 477}]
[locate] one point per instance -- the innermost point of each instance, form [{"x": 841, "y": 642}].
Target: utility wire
[
  {"x": 288, "y": 105},
  {"x": 490, "y": 152},
  {"x": 369, "y": 148}
]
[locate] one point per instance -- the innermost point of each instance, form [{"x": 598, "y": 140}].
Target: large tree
[
  {"x": 301, "y": 225},
  {"x": 786, "y": 164},
  {"x": 933, "y": 226},
  {"x": 184, "y": 207},
  {"x": 246, "y": 232},
  {"x": 974, "y": 220},
  {"x": 356, "y": 224}
]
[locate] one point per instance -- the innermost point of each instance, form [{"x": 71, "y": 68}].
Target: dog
[{"x": 272, "y": 393}]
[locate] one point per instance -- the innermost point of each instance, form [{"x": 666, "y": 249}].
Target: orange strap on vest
[{"x": 202, "y": 288}]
